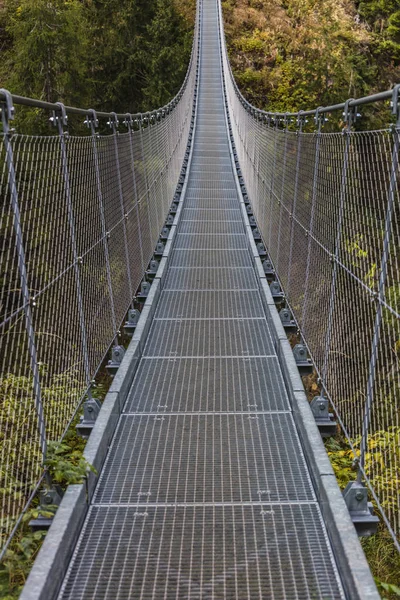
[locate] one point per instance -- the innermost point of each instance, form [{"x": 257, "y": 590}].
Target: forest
[
  {"x": 289, "y": 55},
  {"x": 132, "y": 54},
  {"x": 120, "y": 55}
]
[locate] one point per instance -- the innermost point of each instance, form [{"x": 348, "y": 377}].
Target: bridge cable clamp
[
  {"x": 7, "y": 112},
  {"x": 350, "y": 115},
  {"x": 113, "y": 122},
  {"x": 395, "y": 105},
  {"x": 92, "y": 121},
  {"x": 59, "y": 119}
]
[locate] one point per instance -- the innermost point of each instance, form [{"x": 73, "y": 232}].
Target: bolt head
[{"x": 359, "y": 496}]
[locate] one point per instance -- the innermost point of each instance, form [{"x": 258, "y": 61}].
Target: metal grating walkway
[{"x": 205, "y": 492}]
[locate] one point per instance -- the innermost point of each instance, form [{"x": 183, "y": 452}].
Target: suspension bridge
[{"x": 207, "y": 231}]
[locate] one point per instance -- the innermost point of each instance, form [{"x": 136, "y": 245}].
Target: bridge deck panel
[
  {"x": 205, "y": 492},
  {"x": 202, "y": 552},
  {"x": 208, "y": 385}
]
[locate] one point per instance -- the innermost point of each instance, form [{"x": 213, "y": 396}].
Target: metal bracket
[
  {"x": 252, "y": 222},
  {"x": 91, "y": 120},
  {"x": 319, "y": 119},
  {"x": 350, "y": 114},
  {"x": 117, "y": 354},
  {"x": 131, "y": 323},
  {"x": 169, "y": 221},
  {"x": 7, "y": 109},
  {"x": 394, "y": 104},
  {"x": 261, "y": 248},
  {"x": 276, "y": 291},
  {"x": 144, "y": 291},
  {"x": 91, "y": 410},
  {"x": 324, "y": 419},
  {"x": 113, "y": 122},
  {"x": 303, "y": 363},
  {"x": 164, "y": 233},
  {"x": 138, "y": 121},
  {"x": 159, "y": 251},
  {"x": 256, "y": 235},
  {"x": 268, "y": 270},
  {"x": 300, "y": 120},
  {"x": 287, "y": 321},
  {"x": 286, "y": 121},
  {"x": 153, "y": 268},
  {"x": 128, "y": 121},
  {"x": 355, "y": 495},
  {"x": 49, "y": 497},
  {"x": 60, "y": 118}
]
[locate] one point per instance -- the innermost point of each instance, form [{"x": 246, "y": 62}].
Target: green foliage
[
  {"x": 341, "y": 457},
  {"x": 122, "y": 55},
  {"x": 19, "y": 559},
  {"x": 47, "y": 57},
  {"x": 66, "y": 464},
  {"x": 300, "y": 54},
  {"x": 383, "y": 17},
  {"x": 380, "y": 551},
  {"x": 19, "y": 439},
  {"x": 384, "y": 560}
]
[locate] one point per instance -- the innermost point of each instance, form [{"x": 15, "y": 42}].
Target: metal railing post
[
  {"x": 153, "y": 123},
  {"x": 128, "y": 123},
  {"x": 349, "y": 115},
  {"x": 319, "y": 120},
  {"x": 282, "y": 190},
  {"x": 113, "y": 124},
  {"x": 7, "y": 114},
  {"x": 272, "y": 182},
  {"x": 300, "y": 123},
  {"x": 60, "y": 120},
  {"x": 391, "y": 196},
  {"x": 92, "y": 122},
  {"x": 141, "y": 121}
]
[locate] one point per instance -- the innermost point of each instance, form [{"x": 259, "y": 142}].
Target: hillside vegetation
[
  {"x": 289, "y": 55},
  {"x": 121, "y": 55}
]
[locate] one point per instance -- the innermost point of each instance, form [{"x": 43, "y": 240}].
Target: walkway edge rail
[{"x": 355, "y": 573}]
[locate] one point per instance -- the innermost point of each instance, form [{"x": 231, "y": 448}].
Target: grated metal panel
[
  {"x": 204, "y": 458},
  {"x": 211, "y": 214},
  {"x": 214, "y": 227},
  {"x": 194, "y": 199},
  {"x": 213, "y": 242},
  {"x": 221, "y": 304},
  {"x": 207, "y": 385},
  {"x": 203, "y": 552},
  {"x": 220, "y": 259},
  {"x": 223, "y": 162},
  {"x": 211, "y": 279},
  {"x": 209, "y": 338},
  {"x": 215, "y": 499}
]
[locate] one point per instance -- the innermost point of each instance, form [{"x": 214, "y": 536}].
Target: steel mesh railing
[
  {"x": 80, "y": 217},
  {"x": 327, "y": 207}
]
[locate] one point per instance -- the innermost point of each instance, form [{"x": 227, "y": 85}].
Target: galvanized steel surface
[{"x": 205, "y": 492}]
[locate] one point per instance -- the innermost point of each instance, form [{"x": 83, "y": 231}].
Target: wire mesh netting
[
  {"x": 327, "y": 206},
  {"x": 80, "y": 217}
]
